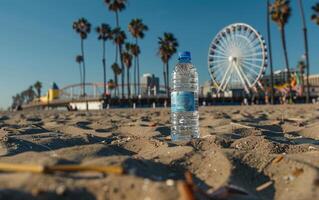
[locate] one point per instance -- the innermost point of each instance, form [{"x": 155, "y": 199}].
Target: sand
[{"x": 265, "y": 152}]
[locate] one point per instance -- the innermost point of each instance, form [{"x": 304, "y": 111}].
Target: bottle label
[{"x": 182, "y": 101}]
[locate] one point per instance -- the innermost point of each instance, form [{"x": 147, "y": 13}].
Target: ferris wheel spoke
[
  {"x": 238, "y": 40},
  {"x": 219, "y": 76},
  {"x": 221, "y": 48},
  {"x": 218, "y": 61},
  {"x": 221, "y": 57},
  {"x": 219, "y": 45},
  {"x": 248, "y": 76},
  {"x": 248, "y": 35},
  {"x": 232, "y": 41},
  {"x": 252, "y": 55},
  {"x": 251, "y": 50},
  {"x": 253, "y": 43},
  {"x": 252, "y": 64},
  {"x": 253, "y": 59},
  {"x": 218, "y": 68},
  {"x": 231, "y": 35},
  {"x": 222, "y": 43},
  {"x": 245, "y": 45},
  {"x": 242, "y": 43},
  {"x": 224, "y": 40},
  {"x": 219, "y": 54},
  {"x": 227, "y": 40},
  {"x": 255, "y": 46},
  {"x": 248, "y": 49},
  {"x": 235, "y": 36},
  {"x": 218, "y": 71},
  {"x": 249, "y": 73}
]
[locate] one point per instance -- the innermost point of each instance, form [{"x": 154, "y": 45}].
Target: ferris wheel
[{"x": 237, "y": 58}]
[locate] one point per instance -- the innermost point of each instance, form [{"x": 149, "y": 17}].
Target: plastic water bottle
[{"x": 184, "y": 100}]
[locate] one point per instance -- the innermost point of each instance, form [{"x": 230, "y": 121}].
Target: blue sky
[{"x": 37, "y": 41}]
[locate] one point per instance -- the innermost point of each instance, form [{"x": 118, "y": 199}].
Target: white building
[{"x": 149, "y": 84}]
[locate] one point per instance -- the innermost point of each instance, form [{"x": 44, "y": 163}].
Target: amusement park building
[
  {"x": 280, "y": 77},
  {"x": 150, "y": 84},
  {"x": 314, "y": 85}
]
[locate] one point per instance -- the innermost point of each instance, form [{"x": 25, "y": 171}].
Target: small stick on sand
[
  {"x": 295, "y": 119},
  {"x": 264, "y": 186},
  {"x": 277, "y": 159},
  {"x": 8, "y": 167},
  {"x": 237, "y": 124}
]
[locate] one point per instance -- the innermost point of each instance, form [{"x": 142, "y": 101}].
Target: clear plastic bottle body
[{"x": 184, "y": 118}]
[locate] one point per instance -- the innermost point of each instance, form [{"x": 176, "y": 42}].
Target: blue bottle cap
[{"x": 184, "y": 55}]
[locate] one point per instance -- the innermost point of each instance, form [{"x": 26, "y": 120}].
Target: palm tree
[
  {"x": 116, "y": 71},
  {"x": 137, "y": 29},
  {"x": 83, "y": 28},
  {"x": 272, "y": 93},
  {"x": 116, "y": 6},
  {"x": 280, "y": 12},
  {"x": 16, "y": 101},
  {"x": 104, "y": 33},
  {"x": 38, "y": 86},
  {"x": 79, "y": 60},
  {"x": 306, "y": 50},
  {"x": 315, "y": 15},
  {"x": 134, "y": 49},
  {"x": 28, "y": 95},
  {"x": 301, "y": 65},
  {"x": 167, "y": 48},
  {"x": 111, "y": 85},
  {"x": 23, "y": 97},
  {"x": 127, "y": 59},
  {"x": 119, "y": 38}
]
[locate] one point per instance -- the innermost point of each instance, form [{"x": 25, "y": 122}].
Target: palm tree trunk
[
  {"x": 283, "y": 40},
  {"x": 138, "y": 75},
  {"x": 272, "y": 94},
  {"x": 83, "y": 65},
  {"x": 134, "y": 75},
  {"x": 115, "y": 79},
  {"x": 128, "y": 83},
  {"x": 81, "y": 81},
  {"x": 84, "y": 94},
  {"x": 116, "y": 53},
  {"x": 306, "y": 48},
  {"x": 138, "y": 70},
  {"x": 301, "y": 79},
  {"x": 167, "y": 79},
  {"x": 123, "y": 70},
  {"x": 164, "y": 77},
  {"x": 104, "y": 69},
  {"x": 118, "y": 50},
  {"x": 39, "y": 92},
  {"x": 117, "y": 19}
]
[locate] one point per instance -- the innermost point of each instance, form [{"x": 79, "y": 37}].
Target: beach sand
[{"x": 266, "y": 152}]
